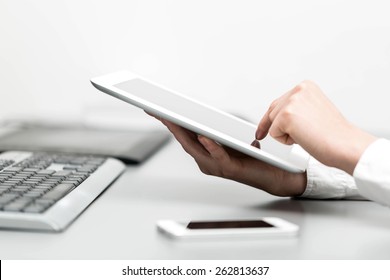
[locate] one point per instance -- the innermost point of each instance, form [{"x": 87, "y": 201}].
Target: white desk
[{"x": 121, "y": 223}]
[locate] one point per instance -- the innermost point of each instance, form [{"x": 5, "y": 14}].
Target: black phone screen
[{"x": 228, "y": 224}]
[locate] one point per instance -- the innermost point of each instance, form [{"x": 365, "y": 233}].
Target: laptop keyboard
[{"x": 37, "y": 182}]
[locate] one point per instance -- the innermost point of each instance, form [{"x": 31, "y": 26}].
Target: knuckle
[
  {"x": 302, "y": 86},
  {"x": 293, "y": 99},
  {"x": 287, "y": 119},
  {"x": 273, "y": 105},
  {"x": 204, "y": 170},
  {"x": 298, "y": 88},
  {"x": 306, "y": 84},
  {"x": 273, "y": 133}
]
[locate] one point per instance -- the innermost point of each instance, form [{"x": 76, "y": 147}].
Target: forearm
[{"x": 346, "y": 148}]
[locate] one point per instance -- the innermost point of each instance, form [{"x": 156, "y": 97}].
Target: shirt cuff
[
  {"x": 372, "y": 172},
  {"x": 324, "y": 182}
]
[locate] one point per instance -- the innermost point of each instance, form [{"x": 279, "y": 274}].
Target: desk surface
[{"x": 121, "y": 223}]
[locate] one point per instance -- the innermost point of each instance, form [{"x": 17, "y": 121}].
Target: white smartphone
[
  {"x": 220, "y": 126},
  {"x": 258, "y": 228}
]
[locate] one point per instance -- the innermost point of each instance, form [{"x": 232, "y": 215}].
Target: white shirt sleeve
[
  {"x": 372, "y": 173},
  {"x": 325, "y": 182}
]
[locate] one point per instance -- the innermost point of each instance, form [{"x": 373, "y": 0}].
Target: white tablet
[{"x": 220, "y": 126}]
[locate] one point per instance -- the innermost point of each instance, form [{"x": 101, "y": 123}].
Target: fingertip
[
  {"x": 263, "y": 127},
  {"x": 261, "y": 133}
]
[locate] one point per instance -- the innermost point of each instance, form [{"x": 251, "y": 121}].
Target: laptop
[{"x": 129, "y": 146}]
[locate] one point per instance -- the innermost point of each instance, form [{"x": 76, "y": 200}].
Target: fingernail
[{"x": 256, "y": 144}]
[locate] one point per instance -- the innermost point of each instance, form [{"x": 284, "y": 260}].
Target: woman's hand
[{"x": 305, "y": 116}]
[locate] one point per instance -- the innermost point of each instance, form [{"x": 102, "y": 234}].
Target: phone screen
[{"x": 229, "y": 224}]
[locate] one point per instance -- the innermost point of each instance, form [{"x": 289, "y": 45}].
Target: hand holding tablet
[{"x": 202, "y": 119}]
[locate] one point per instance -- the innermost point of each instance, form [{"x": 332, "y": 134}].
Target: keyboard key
[
  {"x": 22, "y": 187},
  {"x": 16, "y": 169},
  {"x": 34, "y": 170},
  {"x": 34, "y": 194},
  {"x": 75, "y": 178},
  {"x": 23, "y": 200},
  {"x": 14, "y": 180},
  {"x": 5, "y": 187},
  {"x": 26, "y": 173},
  {"x": 21, "y": 176},
  {"x": 46, "y": 172},
  {"x": 9, "y": 183},
  {"x": 45, "y": 185},
  {"x": 71, "y": 167},
  {"x": 52, "y": 180},
  {"x": 62, "y": 173},
  {"x": 13, "y": 207},
  {"x": 58, "y": 191},
  {"x": 44, "y": 201},
  {"x": 82, "y": 175},
  {"x": 88, "y": 169},
  {"x": 17, "y": 205},
  {"x": 43, "y": 177},
  {"x": 17, "y": 191},
  {"x": 35, "y": 180},
  {"x": 43, "y": 188},
  {"x": 30, "y": 183},
  {"x": 9, "y": 174},
  {"x": 35, "y": 208},
  {"x": 72, "y": 182},
  {"x": 96, "y": 161},
  {"x": 8, "y": 197}
]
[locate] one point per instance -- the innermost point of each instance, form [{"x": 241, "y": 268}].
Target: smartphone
[{"x": 262, "y": 227}]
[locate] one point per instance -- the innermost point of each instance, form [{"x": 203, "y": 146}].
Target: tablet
[{"x": 200, "y": 118}]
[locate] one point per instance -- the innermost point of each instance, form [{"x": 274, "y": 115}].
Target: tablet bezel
[{"x": 107, "y": 84}]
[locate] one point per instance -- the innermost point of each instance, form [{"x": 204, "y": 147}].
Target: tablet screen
[{"x": 218, "y": 121}]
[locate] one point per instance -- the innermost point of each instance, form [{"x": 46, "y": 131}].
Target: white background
[{"x": 236, "y": 55}]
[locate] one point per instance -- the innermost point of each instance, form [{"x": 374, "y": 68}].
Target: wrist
[
  {"x": 356, "y": 143},
  {"x": 297, "y": 183}
]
